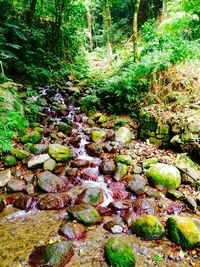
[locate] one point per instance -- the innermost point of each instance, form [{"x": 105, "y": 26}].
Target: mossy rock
[
  {"x": 60, "y": 153},
  {"x": 10, "y": 160},
  {"x": 118, "y": 253},
  {"x": 98, "y": 136},
  {"x": 65, "y": 127},
  {"x": 32, "y": 137},
  {"x": 148, "y": 227},
  {"x": 20, "y": 154},
  {"x": 120, "y": 172},
  {"x": 123, "y": 135},
  {"x": 149, "y": 162},
  {"x": 165, "y": 175},
  {"x": 183, "y": 231},
  {"x": 125, "y": 159}
]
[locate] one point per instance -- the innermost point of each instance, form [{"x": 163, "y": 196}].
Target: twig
[{"x": 180, "y": 169}]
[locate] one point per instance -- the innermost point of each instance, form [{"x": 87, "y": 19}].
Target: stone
[
  {"x": 53, "y": 201},
  {"x": 174, "y": 194},
  {"x": 120, "y": 172},
  {"x": 194, "y": 127},
  {"x": 148, "y": 227},
  {"x": 137, "y": 169},
  {"x": 24, "y": 202},
  {"x": 9, "y": 160},
  {"x": 2, "y": 204},
  {"x": 38, "y": 149},
  {"x": 94, "y": 149},
  {"x": 155, "y": 141},
  {"x": 114, "y": 227},
  {"x": 5, "y": 177},
  {"x": 190, "y": 202},
  {"x": 123, "y": 135},
  {"x": 29, "y": 189},
  {"x": 32, "y": 137},
  {"x": 163, "y": 129},
  {"x": 165, "y": 175},
  {"x": 118, "y": 253},
  {"x": 98, "y": 135},
  {"x": 85, "y": 213},
  {"x": 176, "y": 140},
  {"x": 108, "y": 167},
  {"x": 19, "y": 153},
  {"x": 188, "y": 137},
  {"x": 93, "y": 196},
  {"x": 125, "y": 159},
  {"x": 16, "y": 185},
  {"x": 49, "y": 165},
  {"x": 38, "y": 161},
  {"x": 65, "y": 127},
  {"x": 60, "y": 153},
  {"x": 80, "y": 163},
  {"x": 53, "y": 255},
  {"x": 137, "y": 184},
  {"x": 72, "y": 171},
  {"x": 120, "y": 205},
  {"x": 149, "y": 162},
  {"x": 73, "y": 231},
  {"x": 51, "y": 183},
  {"x": 183, "y": 231}
]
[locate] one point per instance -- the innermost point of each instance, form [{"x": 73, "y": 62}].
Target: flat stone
[
  {"x": 5, "y": 177},
  {"x": 37, "y": 161}
]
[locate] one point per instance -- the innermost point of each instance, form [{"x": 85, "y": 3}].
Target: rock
[
  {"x": 65, "y": 127},
  {"x": 25, "y": 202},
  {"x": 164, "y": 175},
  {"x": 123, "y": 135},
  {"x": 39, "y": 149},
  {"x": 80, "y": 163},
  {"x": 137, "y": 169},
  {"x": 183, "y": 230},
  {"x": 20, "y": 154},
  {"x": 29, "y": 189},
  {"x": 2, "y": 204},
  {"x": 120, "y": 172},
  {"x": 93, "y": 196},
  {"x": 49, "y": 165},
  {"x": 29, "y": 178},
  {"x": 54, "y": 255},
  {"x": 16, "y": 185},
  {"x": 94, "y": 149},
  {"x": 51, "y": 183},
  {"x": 145, "y": 205},
  {"x": 60, "y": 153},
  {"x": 149, "y": 162},
  {"x": 73, "y": 231},
  {"x": 120, "y": 205},
  {"x": 148, "y": 227},
  {"x": 190, "y": 202},
  {"x": 114, "y": 227},
  {"x": 89, "y": 174},
  {"x": 9, "y": 160},
  {"x": 194, "y": 127},
  {"x": 174, "y": 194},
  {"x": 53, "y": 201},
  {"x": 37, "y": 161},
  {"x": 118, "y": 253},
  {"x": 108, "y": 167},
  {"x": 98, "y": 135},
  {"x": 137, "y": 184},
  {"x": 5, "y": 177},
  {"x": 125, "y": 159},
  {"x": 32, "y": 137},
  {"x": 85, "y": 213},
  {"x": 72, "y": 171}
]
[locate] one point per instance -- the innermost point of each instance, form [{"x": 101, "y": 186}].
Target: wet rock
[
  {"x": 54, "y": 255},
  {"x": 53, "y": 201},
  {"x": 137, "y": 169},
  {"x": 104, "y": 211},
  {"x": 16, "y": 185},
  {"x": 20, "y": 154},
  {"x": 190, "y": 202},
  {"x": 2, "y": 204},
  {"x": 72, "y": 171},
  {"x": 73, "y": 231},
  {"x": 121, "y": 205},
  {"x": 9, "y": 160},
  {"x": 51, "y": 183},
  {"x": 120, "y": 172},
  {"x": 183, "y": 230},
  {"x": 125, "y": 159},
  {"x": 25, "y": 202},
  {"x": 174, "y": 194},
  {"x": 94, "y": 149},
  {"x": 108, "y": 167},
  {"x": 98, "y": 135},
  {"x": 5, "y": 177},
  {"x": 165, "y": 175},
  {"x": 29, "y": 178},
  {"x": 29, "y": 189},
  {"x": 85, "y": 213},
  {"x": 93, "y": 196},
  {"x": 149, "y": 162},
  {"x": 37, "y": 161},
  {"x": 145, "y": 205},
  {"x": 137, "y": 184},
  {"x": 80, "y": 163},
  {"x": 60, "y": 153},
  {"x": 32, "y": 137},
  {"x": 123, "y": 135},
  {"x": 38, "y": 149},
  {"x": 148, "y": 227},
  {"x": 89, "y": 174},
  {"x": 49, "y": 165},
  {"x": 114, "y": 227},
  {"x": 119, "y": 194},
  {"x": 119, "y": 253},
  {"x": 75, "y": 141}
]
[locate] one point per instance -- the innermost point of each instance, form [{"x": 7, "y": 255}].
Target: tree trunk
[
  {"x": 135, "y": 31},
  {"x": 107, "y": 30},
  {"x": 89, "y": 20},
  {"x": 31, "y": 11}
]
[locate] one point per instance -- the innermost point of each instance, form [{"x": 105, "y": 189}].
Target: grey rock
[{"x": 5, "y": 177}]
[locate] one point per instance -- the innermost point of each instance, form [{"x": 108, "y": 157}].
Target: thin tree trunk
[
  {"x": 31, "y": 11},
  {"x": 135, "y": 31},
  {"x": 89, "y": 20},
  {"x": 107, "y": 30}
]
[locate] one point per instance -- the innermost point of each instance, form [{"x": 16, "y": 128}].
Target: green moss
[
  {"x": 183, "y": 230},
  {"x": 32, "y": 137},
  {"x": 147, "y": 163},
  {"x": 148, "y": 227},
  {"x": 125, "y": 159},
  {"x": 19, "y": 154},
  {"x": 60, "y": 153},
  {"x": 118, "y": 253},
  {"x": 10, "y": 160},
  {"x": 98, "y": 136}
]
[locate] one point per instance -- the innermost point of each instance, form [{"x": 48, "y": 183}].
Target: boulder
[
  {"x": 123, "y": 135},
  {"x": 183, "y": 231},
  {"x": 9, "y": 160},
  {"x": 53, "y": 201},
  {"x": 118, "y": 253},
  {"x": 51, "y": 183},
  {"x": 37, "y": 161},
  {"x": 20, "y": 154},
  {"x": 108, "y": 167},
  {"x": 125, "y": 159},
  {"x": 73, "y": 231},
  {"x": 85, "y": 213},
  {"x": 5, "y": 177},
  {"x": 120, "y": 172},
  {"x": 94, "y": 149},
  {"x": 49, "y": 165},
  {"x": 98, "y": 135},
  {"x": 80, "y": 163},
  {"x": 16, "y": 185},
  {"x": 164, "y": 175},
  {"x": 93, "y": 196},
  {"x": 137, "y": 184},
  {"x": 60, "y": 153},
  {"x": 148, "y": 227},
  {"x": 39, "y": 149},
  {"x": 53, "y": 255},
  {"x": 32, "y": 137}
]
